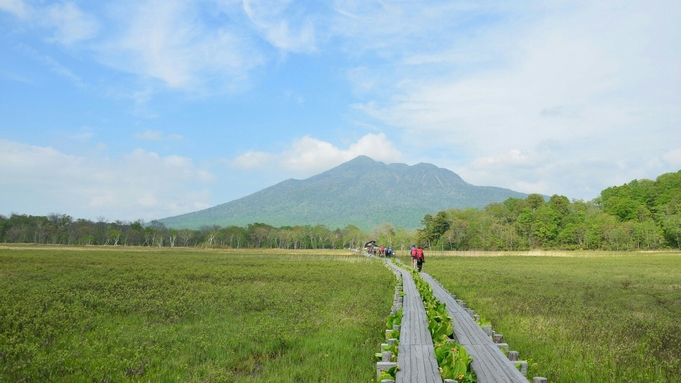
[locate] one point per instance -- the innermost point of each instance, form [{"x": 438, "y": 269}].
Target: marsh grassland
[
  {"x": 117, "y": 315},
  {"x": 589, "y": 317}
]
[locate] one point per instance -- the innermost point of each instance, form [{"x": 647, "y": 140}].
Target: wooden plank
[
  {"x": 416, "y": 357},
  {"x": 489, "y": 363}
]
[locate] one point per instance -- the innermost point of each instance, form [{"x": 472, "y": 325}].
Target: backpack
[
  {"x": 419, "y": 253},
  {"x": 414, "y": 253}
]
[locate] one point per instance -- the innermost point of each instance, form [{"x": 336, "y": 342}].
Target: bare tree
[{"x": 185, "y": 235}]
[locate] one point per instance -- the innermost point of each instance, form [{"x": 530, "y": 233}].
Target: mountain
[{"x": 362, "y": 192}]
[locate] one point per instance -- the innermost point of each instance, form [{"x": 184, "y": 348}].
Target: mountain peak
[
  {"x": 362, "y": 192},
  {"x": 361, "y": 159}
]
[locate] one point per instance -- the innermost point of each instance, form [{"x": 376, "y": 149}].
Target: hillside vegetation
[{"x": 361, "y": 192}]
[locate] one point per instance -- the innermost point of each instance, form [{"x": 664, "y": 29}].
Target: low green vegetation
[
  {"x": 579, "y": 319},
  {"x": 391, "y": 334},
  {"x": 452, "y": 359},
  {"x": 119, "y": 315}
]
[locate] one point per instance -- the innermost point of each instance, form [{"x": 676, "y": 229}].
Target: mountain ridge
[{"x": 361, "y": 192}]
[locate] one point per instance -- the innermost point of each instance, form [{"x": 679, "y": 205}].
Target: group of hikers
[
  {"x": 380, "y": 251},
  {"x": 416, "y": 252}
]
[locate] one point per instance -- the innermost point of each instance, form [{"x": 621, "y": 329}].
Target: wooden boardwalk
[
  {"x": 489, "y": 363},
  {"x": 416, "y": 357}
]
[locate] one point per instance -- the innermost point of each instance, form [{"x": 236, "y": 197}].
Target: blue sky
[{"x": 151, "y": 108}]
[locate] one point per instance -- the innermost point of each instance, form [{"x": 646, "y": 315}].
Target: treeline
[
  {"x": 640, "y": 215},
  {"x": 63, "y": 229}
]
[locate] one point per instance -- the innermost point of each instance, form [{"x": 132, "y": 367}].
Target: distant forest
[{"x": 640, "y": 215}]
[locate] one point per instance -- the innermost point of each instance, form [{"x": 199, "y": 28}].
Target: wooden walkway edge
[
  {"x": 416, "y": 357},
  {"x": 489, "y": 363}
]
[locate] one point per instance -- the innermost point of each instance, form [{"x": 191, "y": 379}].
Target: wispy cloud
[
  {"x": 157, "y": 135},
  {"x": 149, "y": 135},
  {"x": 67, "y": 21},
  {"x": 170, "y": 42},
  {"x": 53, "y": 65},
  {"x": 16, "y": 7},
  {"x": 562, "y": 96},
  {"x": 70, "y": 24},
  {"x": 283, "y": 24},
  {"x": 589, "y": 76}
]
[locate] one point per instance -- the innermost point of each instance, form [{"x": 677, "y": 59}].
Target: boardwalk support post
[
  {"x": 383, "y": 366},
  {"x": 488, "y": 330},
  {"x": 387, "y": 356},
  {"x": 523, "y": 367},
  {"x": 539, "y": 379}
]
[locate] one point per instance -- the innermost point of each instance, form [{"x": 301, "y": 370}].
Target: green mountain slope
[{"x": 361, "y": 192}]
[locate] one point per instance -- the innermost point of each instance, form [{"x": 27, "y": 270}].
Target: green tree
[
  {"x": 435, "y": 227},
  {"x": 353, "y": 237},
  {"x": 384, "y": 234},
  {"x": 671, "y": 226},
  {"x": 560, "y": 204},
  {"x": 546, "y": 226},
  {"x": 535, "y": 201}
]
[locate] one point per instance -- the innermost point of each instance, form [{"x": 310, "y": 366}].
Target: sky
[{"x": 145, "y": 109}]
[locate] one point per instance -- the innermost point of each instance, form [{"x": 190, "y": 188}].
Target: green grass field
[
  {"x": 592, "y": 317},
  {"x": 92, "y": 314},
  {"x": 116, "y": 315}
]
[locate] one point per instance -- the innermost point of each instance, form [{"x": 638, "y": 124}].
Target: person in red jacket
[
  {"x": 420, "y": 260},
  {"x": 413, "y": 256}
]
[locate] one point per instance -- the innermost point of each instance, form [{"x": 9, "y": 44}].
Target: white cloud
[
  {"x": 206, "y": 176},
  {"x": 600, "y": 78},
  {"x": 152, "y": 135},
  {"x": 17, "y": 7},
  {"x": 201, "y": 47},
  {"x": 169, "y": 41},
  {"x": 673, "y": 157},
  {"x": 278, "y": 27},
  {"x": 252, "y": 160},
  {"x": 69, "y": 22},
  {"x": 157, "y": 135},
  {"x": 307, "y": 156},
  {"x": 141, "y": 184}
]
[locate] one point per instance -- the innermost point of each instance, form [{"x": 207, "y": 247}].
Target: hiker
[
  {"x": 389, "y": 252},
  {"x": 413, "y": 256},
  {"x": 420, "y": 260}
]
